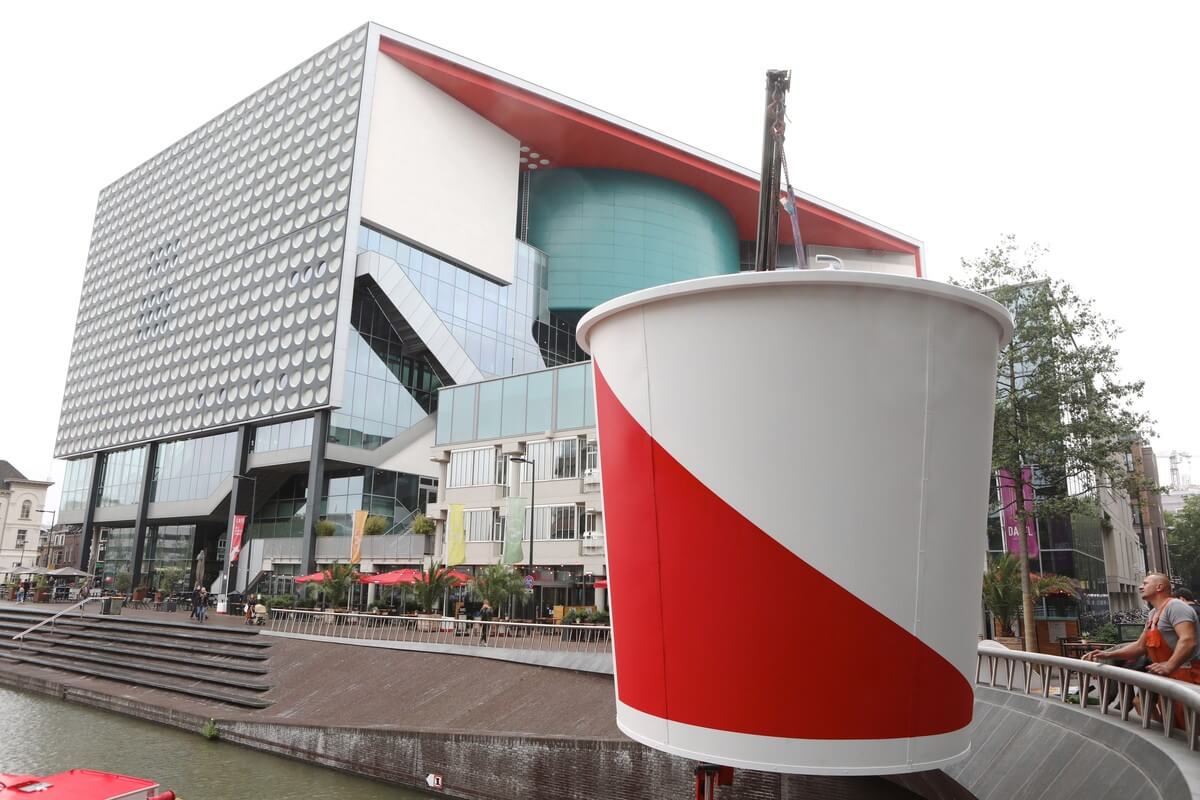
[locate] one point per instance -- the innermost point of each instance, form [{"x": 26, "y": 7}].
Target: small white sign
[{"x": 433, "y": 780}]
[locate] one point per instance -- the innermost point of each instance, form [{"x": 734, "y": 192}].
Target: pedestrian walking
[
  {"x": 202, "y": 609},
  {"x": 196, "y": 602},
  {"x": 485, "y": 617},
  {"x": 1187, "y": 596}
]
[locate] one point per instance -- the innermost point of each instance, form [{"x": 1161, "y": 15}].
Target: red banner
[{"x": 235, "y": 541}]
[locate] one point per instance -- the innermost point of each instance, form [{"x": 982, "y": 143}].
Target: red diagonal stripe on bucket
[{"x": 719, "y": 625}]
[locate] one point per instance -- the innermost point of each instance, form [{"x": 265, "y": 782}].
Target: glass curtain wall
[
  {"x": 121, "y": 477},
  {"x": 552, "y": 400},
  {"x": 192, "y": 469},
  {"x": 75, "y": 485},
  {"x": 114, "y": 558},
  {"x": 167, "y": 557},
  {"x": 505, "y": 329},
  {"x": 387, "y": 390},
  {"x": 395, "y": 496}
]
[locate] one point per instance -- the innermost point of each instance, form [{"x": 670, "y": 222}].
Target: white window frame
[
  {"x": 480, "y": 525},
  {"x": 547, "y": 514},
  {"x": 552, "y": 461},
  {"x": 476, "y": 466}
]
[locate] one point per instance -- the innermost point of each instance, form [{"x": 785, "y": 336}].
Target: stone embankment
[{"x": 491, "y": 729}]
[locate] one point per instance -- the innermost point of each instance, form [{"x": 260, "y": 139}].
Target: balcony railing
[
  {"x": 443, "y": 631},
  {"x": 1097, "y": 688}
]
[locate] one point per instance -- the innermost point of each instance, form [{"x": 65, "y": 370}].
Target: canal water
[{"x": 42, "y": 735}]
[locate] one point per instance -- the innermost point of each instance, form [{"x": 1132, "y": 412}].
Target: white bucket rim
[{"x": 827, "y": 277}]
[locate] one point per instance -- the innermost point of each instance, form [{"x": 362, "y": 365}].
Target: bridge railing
[
  {"x": 442, "y": 630},
  {"x": 1098, "y": 688}
]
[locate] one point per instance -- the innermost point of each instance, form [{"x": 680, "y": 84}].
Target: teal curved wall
[{"x": 609, "y": 232}]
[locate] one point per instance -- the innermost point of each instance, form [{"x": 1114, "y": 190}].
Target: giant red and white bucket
[{"x": 795, "y": 478}]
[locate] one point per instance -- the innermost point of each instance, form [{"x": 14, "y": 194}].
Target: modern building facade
[{"x": 275, "y": 305}]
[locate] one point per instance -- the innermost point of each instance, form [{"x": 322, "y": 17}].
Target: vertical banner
[
  {"x": 1009, "y": 512},
  {"x": 456, "y": 536},
  {"x": 514, "y": 531},
  {"x": 360, "y": 524},
  {"x": 235, "y": 538}
]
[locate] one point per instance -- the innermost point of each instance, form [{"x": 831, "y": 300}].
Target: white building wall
[
  {"x": 865, "y": 260},
  {"x": 11, "y": 502},
  {"x": 1124, "y": 561},
  {"x": 439, "y": 174}
]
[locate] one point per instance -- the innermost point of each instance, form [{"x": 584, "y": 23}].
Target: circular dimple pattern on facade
[{"x": 223, "y": 250}]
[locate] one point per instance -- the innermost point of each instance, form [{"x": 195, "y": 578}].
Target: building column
[
  {"x": 139, "y": 523},
  {"x": 89, "y": 512},
  {"x": 235, "y": 495},
  {"x": 316, "y": 485}
]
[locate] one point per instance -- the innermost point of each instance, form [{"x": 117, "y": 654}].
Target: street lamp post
[
  {"x": 49, "y": 544},
  {"x": 532, "y": 517}
]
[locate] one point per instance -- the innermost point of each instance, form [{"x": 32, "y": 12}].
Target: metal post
[
  {"x": 89, "y": 512},
  {"x": 767, "y": 240},
  {"x": 316, "y": 484},
  {"x": 532, "y": 519},
  {"x": 139, "y": 523}
]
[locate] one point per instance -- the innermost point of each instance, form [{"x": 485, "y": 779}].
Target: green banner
[{"x": 514, "y": 531}]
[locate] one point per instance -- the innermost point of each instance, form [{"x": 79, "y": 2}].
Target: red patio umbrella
[
  {"x": 393, "y": 578},
  {"x": 601, "y": 584},
  {"x": 459, "y": 577},
  {"x": 313, "y": 578}
]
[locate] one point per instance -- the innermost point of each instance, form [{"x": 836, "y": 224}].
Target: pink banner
[{"x": 1009, "y": 510}]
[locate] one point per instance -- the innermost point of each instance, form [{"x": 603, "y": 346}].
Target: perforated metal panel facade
[{"x": 215, "y": 270}]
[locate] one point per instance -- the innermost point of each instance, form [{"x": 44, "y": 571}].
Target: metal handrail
[
  {"x": 1085, "y": 675},
  {"x": 20, "y": 637},
  {"x": 443, "y": 630}
]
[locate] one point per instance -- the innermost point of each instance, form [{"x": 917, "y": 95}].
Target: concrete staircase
[{"x": 221, "y": 664}]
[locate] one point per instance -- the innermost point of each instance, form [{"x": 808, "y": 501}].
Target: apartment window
[
  {"x": 21, "y": 538},
  {"x": 477, "y": 467},
  {"x": 26, "y": 507},
  {"x": 592, "y": 529},
  {"x": 591, "y": 457},
  {"x": 553, "y": 523},
  {"x": 554, "y": 460},
  {"x": 481, "y": 525}
]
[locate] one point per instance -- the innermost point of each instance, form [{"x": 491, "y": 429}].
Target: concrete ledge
[
  {"x": 1027, "y": 747},
  {"x": 599, "y": 663}
]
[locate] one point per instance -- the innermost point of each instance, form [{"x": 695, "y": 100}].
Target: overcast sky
[{"x": 1070, "y": 124}]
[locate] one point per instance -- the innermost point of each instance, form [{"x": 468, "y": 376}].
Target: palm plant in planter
[
  {"x": 495, "y": 583},
  {"x": 336, "y": 584},
  {"x": 1002, "y": 589},
  {"x": 431, "y": 585}
]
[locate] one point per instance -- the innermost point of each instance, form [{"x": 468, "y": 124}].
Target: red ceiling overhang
[{"x": 571, "y": 137}]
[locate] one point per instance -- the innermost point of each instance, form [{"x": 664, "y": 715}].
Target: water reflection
[{"x": 41, "y": 735}]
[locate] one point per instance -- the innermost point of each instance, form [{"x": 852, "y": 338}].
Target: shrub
[
  {"x": 325, "y": 528},
  {"x": 209, "y": 730},
  {"x": 375, "y": 526},
  {"x": 423, "y": 525}
]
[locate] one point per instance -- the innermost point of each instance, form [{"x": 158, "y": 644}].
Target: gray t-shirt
[{"x": 1174, "y": 612}]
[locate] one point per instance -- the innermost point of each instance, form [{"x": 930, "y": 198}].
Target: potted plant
[
  {"x": 122, "y": 581},
  {"x": 1002, "y": 594},
  {"x": 430, "y": 587},
  {"x": 423, "y": 525},
  {"x": 374, "y": 526},
  {"x": 325, "y": 528},
  {"x": 41, "y": 589},
  {"x": 496, "y": 583},
  {"x": 139, "y": 594},
  {"x": 336, "y": 584}
]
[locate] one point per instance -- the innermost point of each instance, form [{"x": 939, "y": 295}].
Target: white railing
[
  {"x": 443, "y": 630},
  {"x": 20, "y": 637},
  {"x": 1114, "y": 686}
]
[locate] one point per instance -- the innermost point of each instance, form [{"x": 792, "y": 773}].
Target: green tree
[
  {"x": 495, "y": 583},
  {"x": 431, "y": 585},
  {"x": 1183, "y": 537},
  {"x": 1061, "y": 406},
  {"x": 167, "y": 578},
  {"x": 1002, "y": 588}
]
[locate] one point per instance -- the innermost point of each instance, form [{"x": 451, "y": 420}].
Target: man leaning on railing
[{"x": 1169, "y": 638}]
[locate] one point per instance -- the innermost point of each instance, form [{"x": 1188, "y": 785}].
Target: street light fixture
[
  {"x": 532, "y": 517},
  {"x": 50, "y": 544}
]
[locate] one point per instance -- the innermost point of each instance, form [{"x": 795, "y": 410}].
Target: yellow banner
[
  {"x": 360, "y": 523},
  {"x": 456, "y": 536}
]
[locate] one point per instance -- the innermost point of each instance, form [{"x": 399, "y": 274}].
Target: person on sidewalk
[
  {"x": 1169, "y": 639},
  {"x": 485, "y": 616},
  {"x": 196, "y": 601}
]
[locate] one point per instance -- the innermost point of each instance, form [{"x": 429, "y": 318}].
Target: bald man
[{"x": 1169, "y": 638}]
